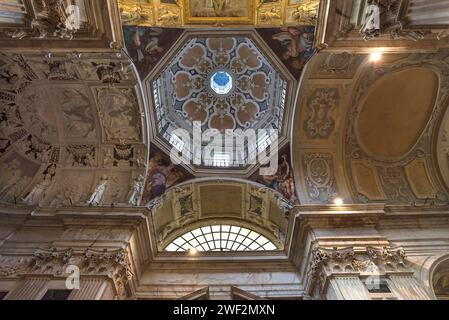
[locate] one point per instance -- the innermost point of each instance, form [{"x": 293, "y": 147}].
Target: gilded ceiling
[{"x": 185, "y": 13}]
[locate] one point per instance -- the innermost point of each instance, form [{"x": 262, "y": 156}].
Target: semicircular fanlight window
[{"x": 221, "y": 238}]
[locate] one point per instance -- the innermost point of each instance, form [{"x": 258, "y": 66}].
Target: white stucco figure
[
  {"x": 371, "y": 23},
  {"x": 136, "y": 191},
  {"x": 37, "y": 194},
  {"x": 97, "y": 195},
  {"x": 73, "y": 20}
]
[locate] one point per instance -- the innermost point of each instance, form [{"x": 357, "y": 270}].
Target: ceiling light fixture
[
  {"x": 375, "y": 57},
  {"x": 338, "y": 201}
]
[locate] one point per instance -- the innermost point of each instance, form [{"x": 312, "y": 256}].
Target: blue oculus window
[{"x": 221, "y": 82}]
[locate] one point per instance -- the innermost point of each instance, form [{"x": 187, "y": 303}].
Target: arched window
[
  {"x": 221, "y": 238},
  {"x": 441, "y": 281}
]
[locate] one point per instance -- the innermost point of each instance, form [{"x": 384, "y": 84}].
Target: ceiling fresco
[
  {"x": 223, "y": 81},
  {"x": 147, "y": 46},
  {"x": 163, "y": 175},
  {"x": 294, "y": 46},
  {"x": 255, "y": 100}
]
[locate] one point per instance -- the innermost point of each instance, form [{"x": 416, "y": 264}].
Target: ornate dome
[{"x": 224, "y": 82}]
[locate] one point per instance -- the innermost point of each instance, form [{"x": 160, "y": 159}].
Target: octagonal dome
[{"x": 221, "y": 82}]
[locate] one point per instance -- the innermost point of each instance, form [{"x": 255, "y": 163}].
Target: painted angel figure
[
  {"x": 371, "y": 24},
  {"x": 136, "y": 191},
  {"x": 297, "y": 43},
  {"x": 97, "y": 195}
]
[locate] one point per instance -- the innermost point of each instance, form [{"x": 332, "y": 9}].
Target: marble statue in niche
[
  {"x": 38, "y": 193},
  {"x": 97, "y": 196},
  {"x": 135, "y": 194},
  {"x": 371, "y": 23}
]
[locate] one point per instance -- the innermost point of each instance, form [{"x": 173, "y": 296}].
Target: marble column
[
  {"x": 90, "y": 289},
  {"x": 407, "y": 287},
  {"x": 29, "y": 289},
  {"x": 346, "y": 287}
]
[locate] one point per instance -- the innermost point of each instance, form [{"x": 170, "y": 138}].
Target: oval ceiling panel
[{"x": 395, "y": 113}]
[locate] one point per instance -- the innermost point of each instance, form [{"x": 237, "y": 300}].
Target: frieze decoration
[
  {"x": 391, "y": 171},
  {"x": 319, "y": 177},
  {"x": 368, "y": 261},
  {"x": 114, "y": 264},
  {"x": 136, "y": 12},
  {"x": 334, "y": 259},
  {"x": 51, "y": 261},
  {"x": 337, "y": 65},
  {"x": 305, "y": 13},
  {"x": 43, "y": 261},
  {"x": 322, "y": 103}
]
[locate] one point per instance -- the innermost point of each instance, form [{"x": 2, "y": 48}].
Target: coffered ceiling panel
[{"x": 66, "y": 122}]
